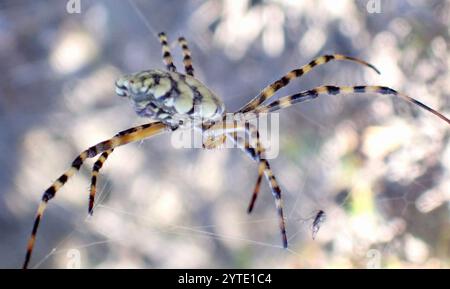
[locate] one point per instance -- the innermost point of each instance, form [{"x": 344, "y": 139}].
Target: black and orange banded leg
[
  {"x": 263, "y": 168},
  {"x": 252, "y": 131},
  {"x": 271, "y": 89},
  {"x": 254, "y": 153},
  {"x": 276, "y": 192},
  {"x": 257, "y": 188},
  {"x": 167, "y": 57},
  {"x": 187, "y": 57},
  {"x": 334, "y": 90},
  {"x": 95, "y": 171},
  {"x": 124, "y": 137}
]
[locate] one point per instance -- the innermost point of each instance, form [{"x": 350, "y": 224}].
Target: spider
[{"x": 168, "y": 98}]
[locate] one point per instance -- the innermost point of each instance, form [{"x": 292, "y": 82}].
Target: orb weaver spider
[{"x": 168, "y": 96}]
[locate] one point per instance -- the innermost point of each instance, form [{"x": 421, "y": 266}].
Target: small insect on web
[
  {"x": 318, "y": 221},
  {"x": 170, "y": 98}
]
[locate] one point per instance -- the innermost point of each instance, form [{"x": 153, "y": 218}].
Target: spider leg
[
  {"x": 257, "y": 187},
  {"x": 263, "y": 168},
  {"x": 187, "y": 60},
  {"x": 124, "y": 137},
  {"x": 167, "y": 57},
  {"x": 276, "y": 192},
  {"x": 328, "y": 89},
  {"x": 95, "y": 170},
  {"x": 271, "y": 89},
  {"x": 252, "y": 132}
]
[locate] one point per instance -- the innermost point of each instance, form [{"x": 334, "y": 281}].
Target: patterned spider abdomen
[{"x": 170, "y": 96}]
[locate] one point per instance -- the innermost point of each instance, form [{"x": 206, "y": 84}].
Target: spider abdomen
[{"x": 169, "y": 96}]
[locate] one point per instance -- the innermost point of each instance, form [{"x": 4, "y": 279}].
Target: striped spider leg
[
  {"x": 255, "y": 153},
  {"x": 306, "y": 95},
  {"x": 253, "y": 132},
  {"x": 263, "y": 169},
  {"x": 94, "y": 176},
  {"x": 167, "y": 56},
  {"x": 187, "y": 60},
  {"x": 127, "y": 136},
  {"x": 270, "y": 90}
]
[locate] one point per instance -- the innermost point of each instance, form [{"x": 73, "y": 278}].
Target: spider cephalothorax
[{"x": 169, "y": 98}]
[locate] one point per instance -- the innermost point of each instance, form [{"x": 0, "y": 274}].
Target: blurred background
[{"x": 377, "y": 166}]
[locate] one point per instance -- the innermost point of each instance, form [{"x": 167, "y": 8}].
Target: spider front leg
[
  {"x": 334, "y": 90},
  {"x": 187, "y": 60},
  {"x": 271, "y": 89},
  {"x": 95, "y": 170},
  {"x": 124, "y": 137},
  {"x": 167, "y": 57}
]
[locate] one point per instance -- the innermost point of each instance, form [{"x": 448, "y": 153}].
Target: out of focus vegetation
[{"x": 378, "y": 167}]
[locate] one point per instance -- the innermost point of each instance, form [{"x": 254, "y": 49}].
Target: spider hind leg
[
  {"x": 122, "y": 138},
  {"x": 263, "y": 168}
]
